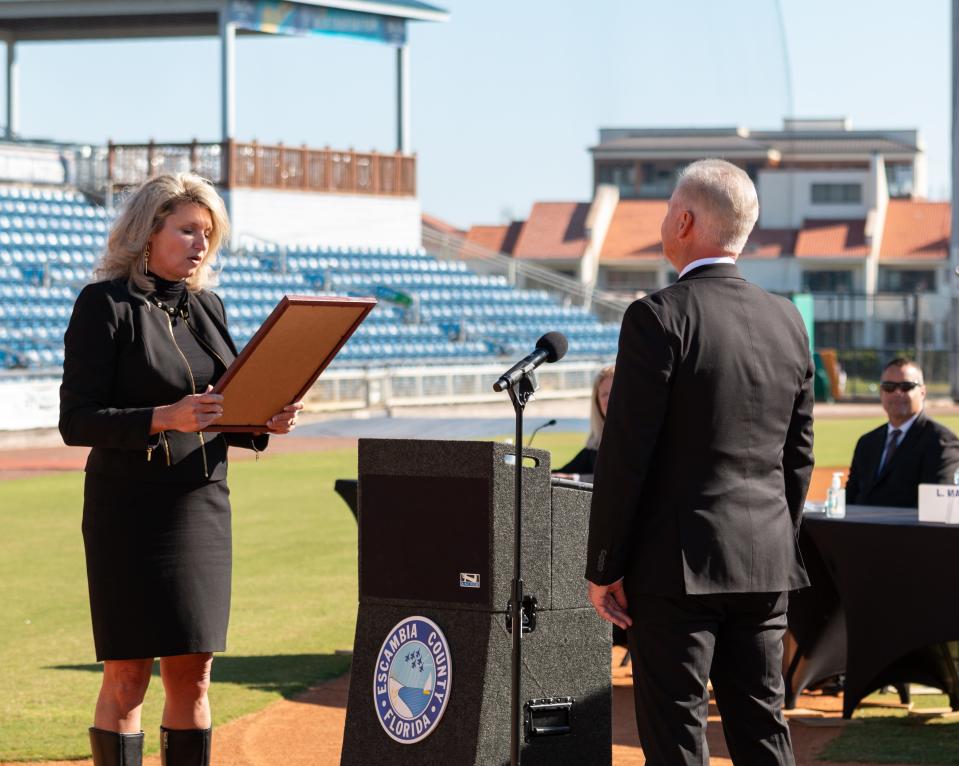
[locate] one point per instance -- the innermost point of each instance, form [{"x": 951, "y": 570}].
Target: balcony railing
[{"x": 235, "y": 165}]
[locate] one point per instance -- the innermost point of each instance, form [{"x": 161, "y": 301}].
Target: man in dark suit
[
  {"x": 890, "y": 463},
  {"x": 700, "y": 481}
]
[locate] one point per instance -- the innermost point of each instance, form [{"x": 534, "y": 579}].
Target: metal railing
[
  {"x": 234, "y": 164},
  {"x": 866, "y": 331},
  {"x": 355, "y": 389},
  {"x": 520, "y": 274},
  {"x": 390, "y": 388}
]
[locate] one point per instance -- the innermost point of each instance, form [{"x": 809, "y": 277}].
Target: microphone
[
  {"x": 550, "y": 348},
  {"x": 547, "y": 424}
]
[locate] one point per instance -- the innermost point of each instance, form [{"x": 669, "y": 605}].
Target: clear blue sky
[{"x": 508, "y": 96}]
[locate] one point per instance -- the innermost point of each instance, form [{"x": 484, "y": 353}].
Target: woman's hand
[
  {"x": 285, "y": 420},
  {"x": 192, "y": 413}
]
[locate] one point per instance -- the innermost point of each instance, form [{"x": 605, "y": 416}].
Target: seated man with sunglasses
[{"x": 891, "y": 462}]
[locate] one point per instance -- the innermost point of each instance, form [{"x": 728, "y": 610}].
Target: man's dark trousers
[{"x": 736, "y": 640}]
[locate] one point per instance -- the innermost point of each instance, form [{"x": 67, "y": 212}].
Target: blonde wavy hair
[
  {"x": 596, "y": 417},
  {"x": 144, "y": 213}
]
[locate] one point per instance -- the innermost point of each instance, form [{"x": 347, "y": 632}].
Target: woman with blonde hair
[
  {"x": 142, "y": 350},
  {"x": 583, "y": 465}
]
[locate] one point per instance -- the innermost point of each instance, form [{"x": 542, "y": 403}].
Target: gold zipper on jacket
[
  {"x": 166, "y": 446},
  {"x": 169, "y": 321},
  {"x": 203, "y": 343},
  {"x": 210, "y": 348}
]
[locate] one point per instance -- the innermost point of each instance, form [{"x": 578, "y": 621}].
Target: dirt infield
[
  {"x": 308, "y": 731},
  {"x": 17, "y": 463}
]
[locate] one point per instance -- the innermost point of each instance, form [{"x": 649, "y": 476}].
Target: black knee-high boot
[
  {"x": 185, "y": 747},
  {"x": 113, "y": 749}
]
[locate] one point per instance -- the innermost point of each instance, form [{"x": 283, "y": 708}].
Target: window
[
  {"x": 657, "y": 180},
  {"x": 903, "y": 334},
  {"x": 837, "y": 194},
  {"x": 827, "y": 281},
  {"x": 907, "y": 281},
  {"x": 829, "y": 334},
  {"x": 899, "y": 178},
  {"x": 622, "y": 176}
]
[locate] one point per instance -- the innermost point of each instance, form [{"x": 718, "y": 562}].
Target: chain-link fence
[{"x": 866, "y": 331}]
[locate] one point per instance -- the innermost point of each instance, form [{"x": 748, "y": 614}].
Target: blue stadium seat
[{"x": 439, "y": 311}]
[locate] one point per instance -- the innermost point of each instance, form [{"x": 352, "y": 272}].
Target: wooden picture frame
[{"x": 284, "y": 358}]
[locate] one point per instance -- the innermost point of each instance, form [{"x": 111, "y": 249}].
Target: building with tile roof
[{"x": 842, "y": 216}]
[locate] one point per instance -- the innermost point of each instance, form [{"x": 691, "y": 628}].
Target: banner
[
  {"x": 29, "y": 404},
  {"x": 278, "y": 17}
]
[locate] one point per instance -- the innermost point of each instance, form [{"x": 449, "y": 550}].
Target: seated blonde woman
[{"x": 582, "y": 466}]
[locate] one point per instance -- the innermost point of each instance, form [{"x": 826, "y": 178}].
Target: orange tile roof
[
  {"x": 635, "y": 233},
  {"x": 634, "y": 230},
  {"x": 500, "y": 239},
  {"x": 770, "y": 243},
  {"x": 916, "y": 229},
  {"x": 490, "y": 237},
  {"x": 439, "y": 224},
  {"x": 554, "y": 230},
  {"x": 819, "y": 238}
]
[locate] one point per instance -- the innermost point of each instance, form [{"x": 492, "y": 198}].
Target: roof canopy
[
  {"x": 51, "y": 20},
  {"x": 119, "y": 19}
]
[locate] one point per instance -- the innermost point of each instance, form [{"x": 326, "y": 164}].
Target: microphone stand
[
  {"x": 537, "y": 430},
  {"x": 520, "y": 393}
]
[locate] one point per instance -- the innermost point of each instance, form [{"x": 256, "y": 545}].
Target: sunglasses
[{"x": 905, "y": 386}]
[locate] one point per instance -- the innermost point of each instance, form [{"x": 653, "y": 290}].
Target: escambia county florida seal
[{"x": 411, "y": 682}]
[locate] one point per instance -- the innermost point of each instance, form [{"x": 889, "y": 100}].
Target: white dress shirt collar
[
  {"x": 705, "y": 262},
  {"x": 904, "y": 427}
]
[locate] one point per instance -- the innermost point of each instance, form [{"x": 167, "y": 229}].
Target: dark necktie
[{"x": 891, "y": 447}]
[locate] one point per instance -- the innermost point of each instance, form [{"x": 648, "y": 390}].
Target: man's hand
[{"x": 609, "y": 601}]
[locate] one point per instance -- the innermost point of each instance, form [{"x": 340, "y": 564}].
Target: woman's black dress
[
  {"x": 158, "y": 566},
  {"x": 158, "y": 546}
]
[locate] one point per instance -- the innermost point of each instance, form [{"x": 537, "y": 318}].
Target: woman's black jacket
[
  {"x": 121, "y": 361},
  {"x": 584, "y": 462}
]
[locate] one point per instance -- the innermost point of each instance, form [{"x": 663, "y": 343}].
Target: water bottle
[
  {"x": 836, "y": 498},
  {"x": 953, "y": 512}
]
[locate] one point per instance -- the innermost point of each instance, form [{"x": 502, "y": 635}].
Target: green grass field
[
  {"x": 890, "y": 735},
  {"x": 294, "y": 601},
  {"x": 294, "y": 594}
]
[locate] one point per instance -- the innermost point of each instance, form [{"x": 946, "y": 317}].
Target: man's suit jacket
[
  {"x": 706, "y": 453},
  {"x": 928, "y": 454}
]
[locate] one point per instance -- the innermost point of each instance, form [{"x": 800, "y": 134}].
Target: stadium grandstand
[
  {"x": 430, "y": 309},
  {"x": 305, "y": 221}
]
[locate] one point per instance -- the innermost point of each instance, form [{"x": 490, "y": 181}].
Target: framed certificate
[{"x": 285, "y": 357}]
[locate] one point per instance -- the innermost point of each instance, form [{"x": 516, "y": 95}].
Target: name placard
[{"x": 939, "y": 502}]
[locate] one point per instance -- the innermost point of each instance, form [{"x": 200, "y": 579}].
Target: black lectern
[{"x": 430, "y": 681}]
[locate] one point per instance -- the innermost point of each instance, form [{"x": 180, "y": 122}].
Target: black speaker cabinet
[{"x": 430, "y": 682}]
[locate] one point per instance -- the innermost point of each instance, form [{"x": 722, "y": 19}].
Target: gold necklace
[{"x": 179, "y": 310}]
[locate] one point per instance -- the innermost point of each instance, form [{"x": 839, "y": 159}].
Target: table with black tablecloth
[{"x": 882, "y": 607}]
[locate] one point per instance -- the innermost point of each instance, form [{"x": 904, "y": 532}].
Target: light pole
[{"x": 953, "y": 278}]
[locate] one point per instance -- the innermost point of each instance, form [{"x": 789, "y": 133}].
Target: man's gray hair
[{"x": 723, "y": 201}]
